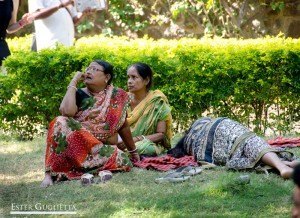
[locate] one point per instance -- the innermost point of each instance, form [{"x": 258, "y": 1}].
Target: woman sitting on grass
[
  {"x": 223, "y": 141},
  {"x": 149, "y": 114},
  {"x": 79, "y": 141}
]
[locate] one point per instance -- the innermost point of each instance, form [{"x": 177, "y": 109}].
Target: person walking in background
[
  {"x": 54, "y": 22},
  {"x": 9, "y": 24}
]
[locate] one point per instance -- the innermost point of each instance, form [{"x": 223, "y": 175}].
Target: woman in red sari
[{"x": 83, "y": 139}]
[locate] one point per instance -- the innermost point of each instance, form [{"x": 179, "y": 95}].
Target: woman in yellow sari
[{"x": 149, "y": 113}]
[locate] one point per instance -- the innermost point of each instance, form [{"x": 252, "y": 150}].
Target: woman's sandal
[
  {"x": 173, "y": 177},
  {"x": 189, "y": 170},
  {"x": 179, "y": 175},
  {"x": 87, "y": 179},
  {"x": 192, "y": 171},
  {"x": 206, "y": 165},
  {"x": 104, "y": 176}
]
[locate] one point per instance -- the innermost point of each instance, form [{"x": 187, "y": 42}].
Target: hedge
[{"x": 256, "y": 82}]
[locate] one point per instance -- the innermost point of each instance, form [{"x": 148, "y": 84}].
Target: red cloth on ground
[
  {"x": 284, "y": 142},
  {"x": 165, "y": 163}
]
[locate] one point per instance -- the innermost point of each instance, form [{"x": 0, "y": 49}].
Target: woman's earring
[{"x": 105, "y": 81}]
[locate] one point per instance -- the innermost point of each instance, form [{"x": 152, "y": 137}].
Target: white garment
[{"x": 57, "y": 28}]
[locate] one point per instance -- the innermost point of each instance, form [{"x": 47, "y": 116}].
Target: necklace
[
  {"x": 134, "y": 102},
  {"x": 95, "y": 93}
]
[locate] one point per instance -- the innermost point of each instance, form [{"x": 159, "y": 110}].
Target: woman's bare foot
[
  {"x": 47, "y": 181},
  {"x": 291, "y": 164},
  {"x": 286, "y": 172}
]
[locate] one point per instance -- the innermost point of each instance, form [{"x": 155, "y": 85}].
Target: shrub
[{"x": 253, "y": 81}]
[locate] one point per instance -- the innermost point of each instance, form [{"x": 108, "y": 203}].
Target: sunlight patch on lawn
[
  {"x": 134, "y": 212},
  {"x": 15, "y": 148},
  {"x": 278, "y": 210},
  {"x": 215, "y": 192},
  {"x": 29, "y": 177}
]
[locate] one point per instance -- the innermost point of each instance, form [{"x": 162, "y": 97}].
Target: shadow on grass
[
  {"x": 136, "y": 194},
  {"x": 20, "y": 164}
]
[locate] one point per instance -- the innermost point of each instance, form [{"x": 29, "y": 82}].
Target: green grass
[{"x": 213, "y": 193}]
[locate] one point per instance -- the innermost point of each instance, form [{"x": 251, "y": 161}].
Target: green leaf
[
  {"x": 73, "y": 124},
  {"x": 62, "y": 143},
  {"x": 88, "y": 103},
  {"x": 106, "y": 151}
]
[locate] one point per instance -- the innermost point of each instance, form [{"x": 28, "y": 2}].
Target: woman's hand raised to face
[
  {"x": 68, "y": 105},
  {"x": 78, "y": 77}
]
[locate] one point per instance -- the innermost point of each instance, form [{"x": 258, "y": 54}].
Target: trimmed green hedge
[{"x": 254, "y": 81}]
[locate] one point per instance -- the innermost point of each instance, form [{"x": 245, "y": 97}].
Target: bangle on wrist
[
  {"x": 73, "y": 82},
  {"x": 133, "y": 151},
  {"x": 71, "y": 86}
]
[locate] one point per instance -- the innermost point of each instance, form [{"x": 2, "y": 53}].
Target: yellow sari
[{"x": 143, "y": 120}]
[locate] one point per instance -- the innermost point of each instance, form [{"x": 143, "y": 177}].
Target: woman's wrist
[
  {"x": 73, "y": 83},
  {"x": 133, "y": 151},
  {"x": 134, "y": 156},
  {"x": 72, "y": 87}
]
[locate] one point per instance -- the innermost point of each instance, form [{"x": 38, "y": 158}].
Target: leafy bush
[
  {"x": 17, "y": 44},
  {"x": 253, "y": 81}
]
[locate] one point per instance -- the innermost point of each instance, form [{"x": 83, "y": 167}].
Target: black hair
[
  {"x": 296, "y": 175},
  {"x": 144, "y": 71},
  {"x": 108, "y": 69},
  {"x": 178, "y": 151}
]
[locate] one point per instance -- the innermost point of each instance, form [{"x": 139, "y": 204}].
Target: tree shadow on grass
[
  {"x": 16, "y": 164},
  {"x": 136, "y": 194}
]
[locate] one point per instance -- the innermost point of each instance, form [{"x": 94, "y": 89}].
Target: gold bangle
[
  {"x": 71, "y": 86},
  {"x": 132, "y": 151}
]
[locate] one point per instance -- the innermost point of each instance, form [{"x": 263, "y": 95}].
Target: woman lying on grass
[
  {"x": 83, "y": 139},
  {"x": 223, "y": 141}
]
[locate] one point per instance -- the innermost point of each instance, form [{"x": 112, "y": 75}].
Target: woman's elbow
[
  {"x": 11, "y": 31},
  {"x": 67, "y": 113}
]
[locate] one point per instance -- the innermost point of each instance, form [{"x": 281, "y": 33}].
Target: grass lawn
[{"x": 213, "y": 193}]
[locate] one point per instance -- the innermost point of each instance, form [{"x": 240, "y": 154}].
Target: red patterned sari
[{"x": 76, "y": 145}]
